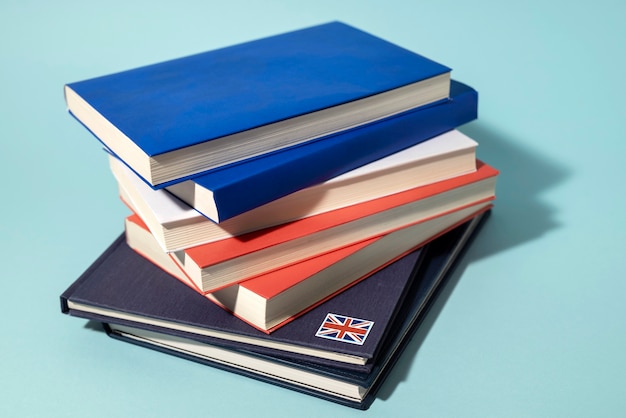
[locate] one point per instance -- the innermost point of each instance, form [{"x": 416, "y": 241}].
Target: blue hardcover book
[
  {"x": 356, "y": 389},
  {"x": 124, "y": 287},
  {"x": 180, "y": 117},
  {"x": 224, "y": 193}
]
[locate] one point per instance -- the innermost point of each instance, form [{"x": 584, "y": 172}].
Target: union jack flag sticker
[{"x": 344, "y": 329}]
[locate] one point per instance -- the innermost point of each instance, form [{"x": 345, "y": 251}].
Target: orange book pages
[
  {"x": 268, "y": 284},
  {"x": 148, "y": 247},
  {"x": 271, "y": 284},
  {"x": 319, "y": 302},
  {"x": 136, "y": 219},
  {"x": 219, "y": 251},
  {"x": 277, "y": 281}
]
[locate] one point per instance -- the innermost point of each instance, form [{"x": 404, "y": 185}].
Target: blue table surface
[{"x": 533, "y": 322}]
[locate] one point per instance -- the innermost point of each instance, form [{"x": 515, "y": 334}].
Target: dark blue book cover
[
  {"x": 238, "y": 188},
  {"x": 350, "y": 388},
  {"x": 222, "y": 96},
  {"x": 122, "y": 286}
]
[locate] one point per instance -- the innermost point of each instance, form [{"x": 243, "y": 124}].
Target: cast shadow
[
  {"x": 399, "y": 373},
  {"x": 519, "y": 216},
  {"x": 92, "y": 325}
]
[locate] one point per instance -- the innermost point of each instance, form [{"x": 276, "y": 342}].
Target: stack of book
[{"x": 297, "y": 201}]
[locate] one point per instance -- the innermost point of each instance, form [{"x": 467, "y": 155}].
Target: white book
[{"x": 176, "y": 225}]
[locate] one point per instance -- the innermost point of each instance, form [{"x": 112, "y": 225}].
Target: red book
[
  {"x": 221, "y": 263},
  {"x": 273, "y": 299}
]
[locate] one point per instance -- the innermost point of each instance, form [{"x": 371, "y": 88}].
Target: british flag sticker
[{"x": 344, "y": 329}]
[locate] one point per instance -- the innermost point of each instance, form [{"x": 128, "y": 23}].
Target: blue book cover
[
  {"x": 356, "y": 389},
  {"x": 238, "y": 188},
  {"x": 183, "y": 116},
  {"x": 124, "y": 287}
]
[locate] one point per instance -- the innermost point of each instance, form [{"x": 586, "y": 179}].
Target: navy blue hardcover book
[
  {"x": 124, "y": 287},
  {"x": 183, "y": 116},
  {"x": 354, "y": 389},
  {"x": 238, "y": 188}
]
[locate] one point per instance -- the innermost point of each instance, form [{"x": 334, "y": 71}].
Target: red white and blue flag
[{"x": 345, "y": 329}]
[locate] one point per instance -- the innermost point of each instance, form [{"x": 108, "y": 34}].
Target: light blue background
[{"x": 534, "y": 320}]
